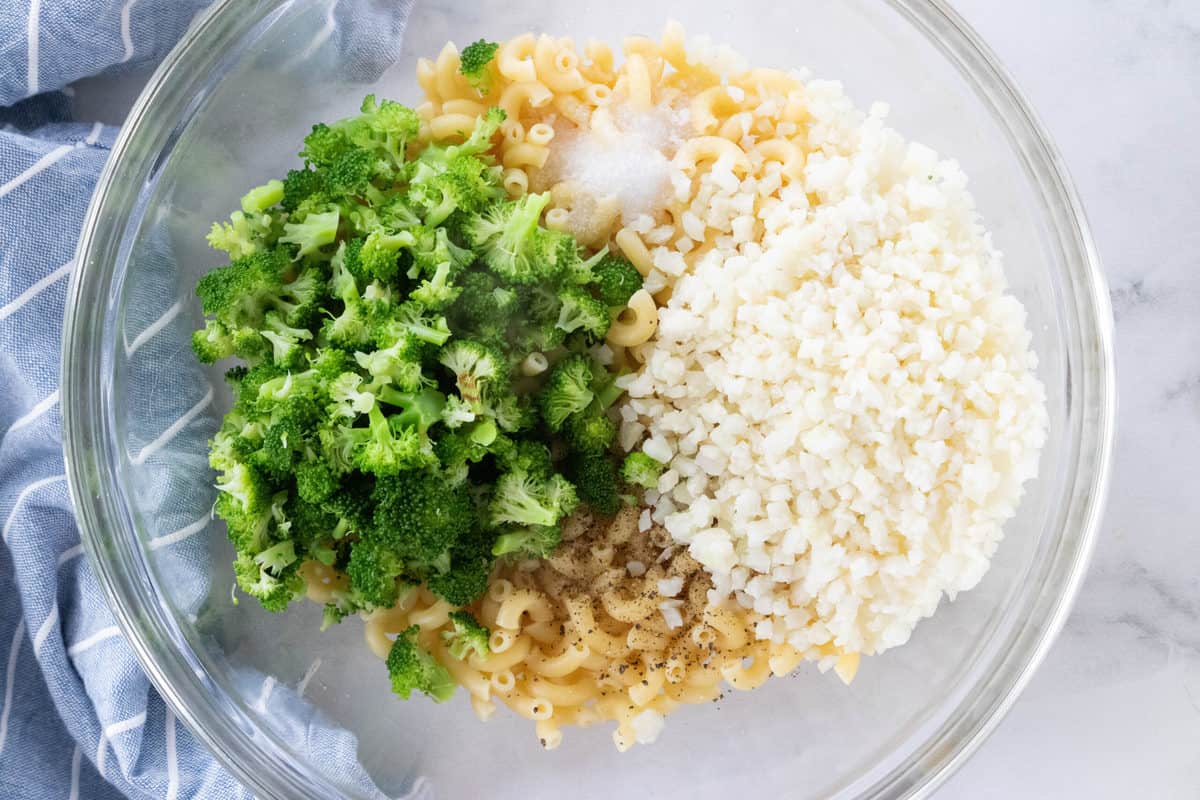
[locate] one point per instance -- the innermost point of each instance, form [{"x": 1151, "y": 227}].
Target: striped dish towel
[{"x": 78, "y": 719}]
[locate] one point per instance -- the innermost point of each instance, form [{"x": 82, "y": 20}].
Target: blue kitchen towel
[{"x": 78, "y": 719}]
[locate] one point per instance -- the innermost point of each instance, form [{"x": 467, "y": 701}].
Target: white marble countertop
[{"x": 1114, "y": 712}]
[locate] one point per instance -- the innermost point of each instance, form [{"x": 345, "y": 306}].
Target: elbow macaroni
[{"x": 606, "y": 658}]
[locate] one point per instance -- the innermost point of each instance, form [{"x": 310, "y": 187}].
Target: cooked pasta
[{"x": 611, "y": 654}]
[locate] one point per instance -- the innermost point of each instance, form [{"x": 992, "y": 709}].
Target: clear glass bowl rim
[{"x": 254, "y": 755}]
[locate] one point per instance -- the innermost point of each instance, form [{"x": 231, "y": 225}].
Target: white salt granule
[{"x": 628, "y": 158}]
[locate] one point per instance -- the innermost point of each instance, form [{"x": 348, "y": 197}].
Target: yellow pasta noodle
[{"x": 637, "y": 323}]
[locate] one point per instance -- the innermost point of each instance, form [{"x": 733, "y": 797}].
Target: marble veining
[{"x": 1114, "y": 711}]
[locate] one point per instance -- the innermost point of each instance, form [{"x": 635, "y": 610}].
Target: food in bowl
[{"x": 595, "y": 388}]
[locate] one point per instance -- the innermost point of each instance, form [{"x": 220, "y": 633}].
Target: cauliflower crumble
[{"x": 841, "y": 389}]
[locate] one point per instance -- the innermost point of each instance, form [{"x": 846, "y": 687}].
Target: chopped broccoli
[
  {"x": 379, "y": 256},
  {"x": 260, "y": 198},
  {"x": 582, "y": 312},
  {"x": 374, "y": 571},
  {"x": 467, "y": 637},
  {"x": 473, "y": 64},
  {"x": 511, "y": 242},
  {"x": 315, "y": 480},
  {"x": 525, "y": 499},
  {"x": 410, "y": 666},
  {"x": 536, "y": 541},
  {"x": 567, "y": 391},
  {"x": 595, "y": 478},
  {"x": 273, "y": 591},
  {"x": 464, "y": 581},
  {"x": 381, "y": 301},
  {"x": 616, "y": 280},
  {"x": 590, "y": 431},
  {"x": 420, "y": 515},
  {"x": 409, "y": 320},
  {"x": 523, "y": 455},
  {"x": 246, "y": 233},
  {"x": 391, "y": 446},
  {"x": 640, "y": 469},
  {"x": 238, "y": 294},
  {"x": 457, "y": 412},
  {"x": 316, "y": 231},
  {"x": 475, "y": 366}
]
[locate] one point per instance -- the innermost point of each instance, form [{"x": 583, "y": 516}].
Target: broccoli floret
[
  {"x": 473, "y": 64},
  {"x": 287, "y": 348},
  {"x": 246, "y": 486},
  {"x": 379, "y": 256},
  {"x": 213, "y": 342},
  {"x": 467, "y": 637},
  {"x": 590, "y": 431},
  {"x": 280, "y": 388},
  {"x": 459, "y": 183},
  {"x": 311, "y": 527},
  {"x": 352, "y": 506},
  {"x": 524, "y": 499},
  {"x": 475, "y": 367},
  {"x": 374, "y": 571},
  {"x": 398, "y": 365},
  {"x": 409, "y": 320},
  {"x": 437, "y": 292},
  {"x": 384, "y": 128},
  {"x": 595, "y": 478},
  {"x": 467, "y": 445},
  {"x": 260, "y": 198},
  {"x": 410, "y": 666},
  {"x": 484, "y": 308},
  {"x": 315, "y": 481},
  {"x": 248, "y": 530},
  {"x": 328, "y": 362},
  {"x": 640, "y": 469},
  {"x": 237, "y": 294},
  {"x": 457, "y": 412},
  {"x": 419, "y": 515},
  {"x": 245, "y": 233},
  {"x": 274, "y": 592},
  {"x": 511, "y": 242},
  {"x": 435, "y": 248},
  {"x": 351, "y": 173},
  {"x": 535, "y": 541},
  {"x": 277, "y": 557},
  {"x": 348, "y": 399},
  {"x": 582, "y": 312},
  {"x": 616, "y": 280},
  {"x": 283, "y": 435},
  {"x": 419, "y": 410},
  {"x": 324, "y": 145},
  {"x": 313, "y": 233},
  {"x": 523, "y": 455},
  {"x": 391, "y": 446},
  {"x": 463, "y": 582},
  {"x": 567, "y": 391},
  {"x": 512, "y": 412},
  {"x": 298, "y": 186}
]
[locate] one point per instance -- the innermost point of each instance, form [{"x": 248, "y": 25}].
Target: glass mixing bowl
[{"x": 228, "y": 109}]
